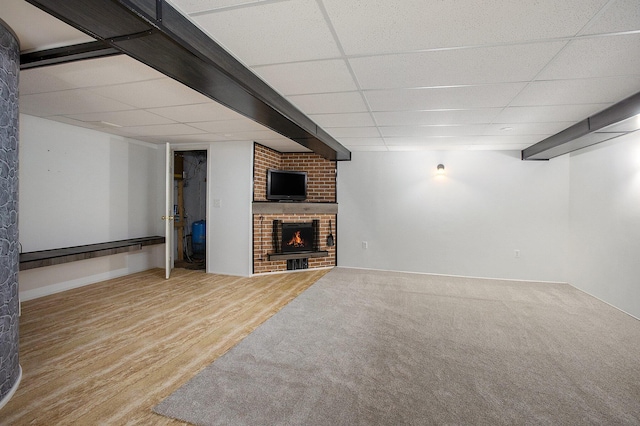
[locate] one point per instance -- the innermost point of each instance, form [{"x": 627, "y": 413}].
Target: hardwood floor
[{"x": 109, "y": 352}]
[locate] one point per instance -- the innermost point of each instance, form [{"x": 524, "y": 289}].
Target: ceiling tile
[
  {"x": 272, "y": 32},
  {"x": 353, "y": 132},
  {"x": 429, "y": 131},
  {"x": 152, "y": 94},
  {"x": 358, "y": 119},
  {"x": 283, "y": 145},
  {"x": 464, "y": 97},
  {"x": 620, "y": 15},
  {"x": 195, "y": 138},
  {"x": 533, "y": 114},
  {"x": 585, "y": 91},
  {"x": 210, "y": 111},
  {"x": 353, "y": 142},
  {"x": 255, "y": 135},
  {"x": 365, "y": 148},
  {"x": 508, "y": 129},
  {"x": 596, "y": 57},
  {"x": 308, "y": 77},
  {"x": 418, "y": 118},
  {"x": 508, "y": 140},
  {"x": 444, "y": 67},
  {"x": 499, "y": 147},
  {"x": 123, "y": 118},
  {"x": 229, "y": 126},
  {"x": 415, "y": 141},
  {"x": 68, "y": 102},
  {"x": 382, "y": 26},
  {"x": 88, "y": 73},
  {"x": 191, "y": 6},
  {"x": 37, "y": 30},
  {"x": 329, "y": 103},
  {"x": 162, "y": 130}
]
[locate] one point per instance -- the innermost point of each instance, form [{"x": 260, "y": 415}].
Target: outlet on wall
[
  {"x": 365, "y": 245},
  {"x": 517, "y": 253}
]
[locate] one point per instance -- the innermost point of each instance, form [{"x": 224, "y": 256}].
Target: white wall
[
  {"x": 468, "y": 222},
  {"x": 229, "y": 226},
  {"x": 605, "y": 222},
  {"x": 79, "y": 186}
]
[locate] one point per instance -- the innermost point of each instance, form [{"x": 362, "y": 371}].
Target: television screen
[{"x": 283, "y": 185}]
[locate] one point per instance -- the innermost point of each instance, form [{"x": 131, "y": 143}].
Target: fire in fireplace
[{"x": 297, "y": 237}]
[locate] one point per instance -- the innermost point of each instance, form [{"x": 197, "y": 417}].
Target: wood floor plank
[{"x": 108, "y": 352}]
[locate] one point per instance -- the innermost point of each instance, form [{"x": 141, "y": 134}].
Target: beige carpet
[{"x": 382, "y": 348}]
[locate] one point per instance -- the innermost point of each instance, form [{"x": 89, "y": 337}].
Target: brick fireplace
[{"x": 318, "y": 211}]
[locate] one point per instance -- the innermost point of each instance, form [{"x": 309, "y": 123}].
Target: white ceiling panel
[
  {"x": 211, "y": 111},
  {"x": 162, "y": 130},
  {"x": 123, "y": 118},
  {"x": 427, "y": 141},
  {"x": 417, "y": 118},
  {"x": 228, "y": 126},
  {"x": 484, "y": 96},
  {"x": 596, "y": 57},
  {"x": 429, "y": 131},
  {"x": 372, "y": 148},
  {"x": 619, "y": 15},
  {"x": 283, "y": 145},
  {"x": 382, "y": 26},
  {"x": 353, "y": 132},
  {"x": 584, "y": 91},
  {"x": 68, "y": 102},
  {"x": 506, "y": 140},
  {"x": 495, "y": 64},
  {"x": 426, "y": 74},
  {"x": 151, "y": 94},
  {"x": 508, "y": 129},
  {"x": 358, "y": 119},
  {"x": 256, "y": 135},
  {"x": 310, "y": 77},
  {"x": 550, "y": 113},
  {"x": 184, "y": 139},
  {"x": 38, "y": 30},
  {"x": 194, "y": 6},
  {"x": 329, "y": 103},
  {"x": 97, "y": 72},
  {"x": 370, "y": 141},
  {"x": 272, "y": 32}
]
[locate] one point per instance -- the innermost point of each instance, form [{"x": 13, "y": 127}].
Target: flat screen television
[{"x": 285, "y": 185}]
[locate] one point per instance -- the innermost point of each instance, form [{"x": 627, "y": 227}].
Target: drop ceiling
[{"x": 376, "y": 75}]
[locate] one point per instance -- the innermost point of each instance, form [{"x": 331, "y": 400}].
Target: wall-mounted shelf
[{"x": 268, "y": 207}]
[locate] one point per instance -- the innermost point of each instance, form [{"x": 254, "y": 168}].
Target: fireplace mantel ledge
[{"x": 270, "y": 207}]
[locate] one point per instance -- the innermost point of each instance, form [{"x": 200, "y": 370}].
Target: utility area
[{"x": 190, "y": 209}]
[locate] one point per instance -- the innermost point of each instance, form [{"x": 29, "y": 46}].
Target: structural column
[{"x": 10, "y": 371}]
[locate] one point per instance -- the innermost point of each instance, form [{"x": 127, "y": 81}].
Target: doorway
[{"x": 190, "y": 209}]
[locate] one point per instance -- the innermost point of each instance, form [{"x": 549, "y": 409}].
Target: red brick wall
[
  {"x": 321, "y": 175},
  {"x": 263, "y": 159},
  {"x": 263, "y": 244},
  {"x": 321, "y": 188}
]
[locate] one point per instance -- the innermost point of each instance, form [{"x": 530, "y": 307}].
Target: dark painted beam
[
  {"x": 600, "y": 127},
  {"x": 61, "y": 55},
  {"x": 156, "y": 34}
]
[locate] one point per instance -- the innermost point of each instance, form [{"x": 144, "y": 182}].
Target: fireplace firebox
[{"x": 298, "y": 237}]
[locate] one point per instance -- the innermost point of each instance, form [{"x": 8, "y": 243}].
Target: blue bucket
[{"x": 198, "y": 236}]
